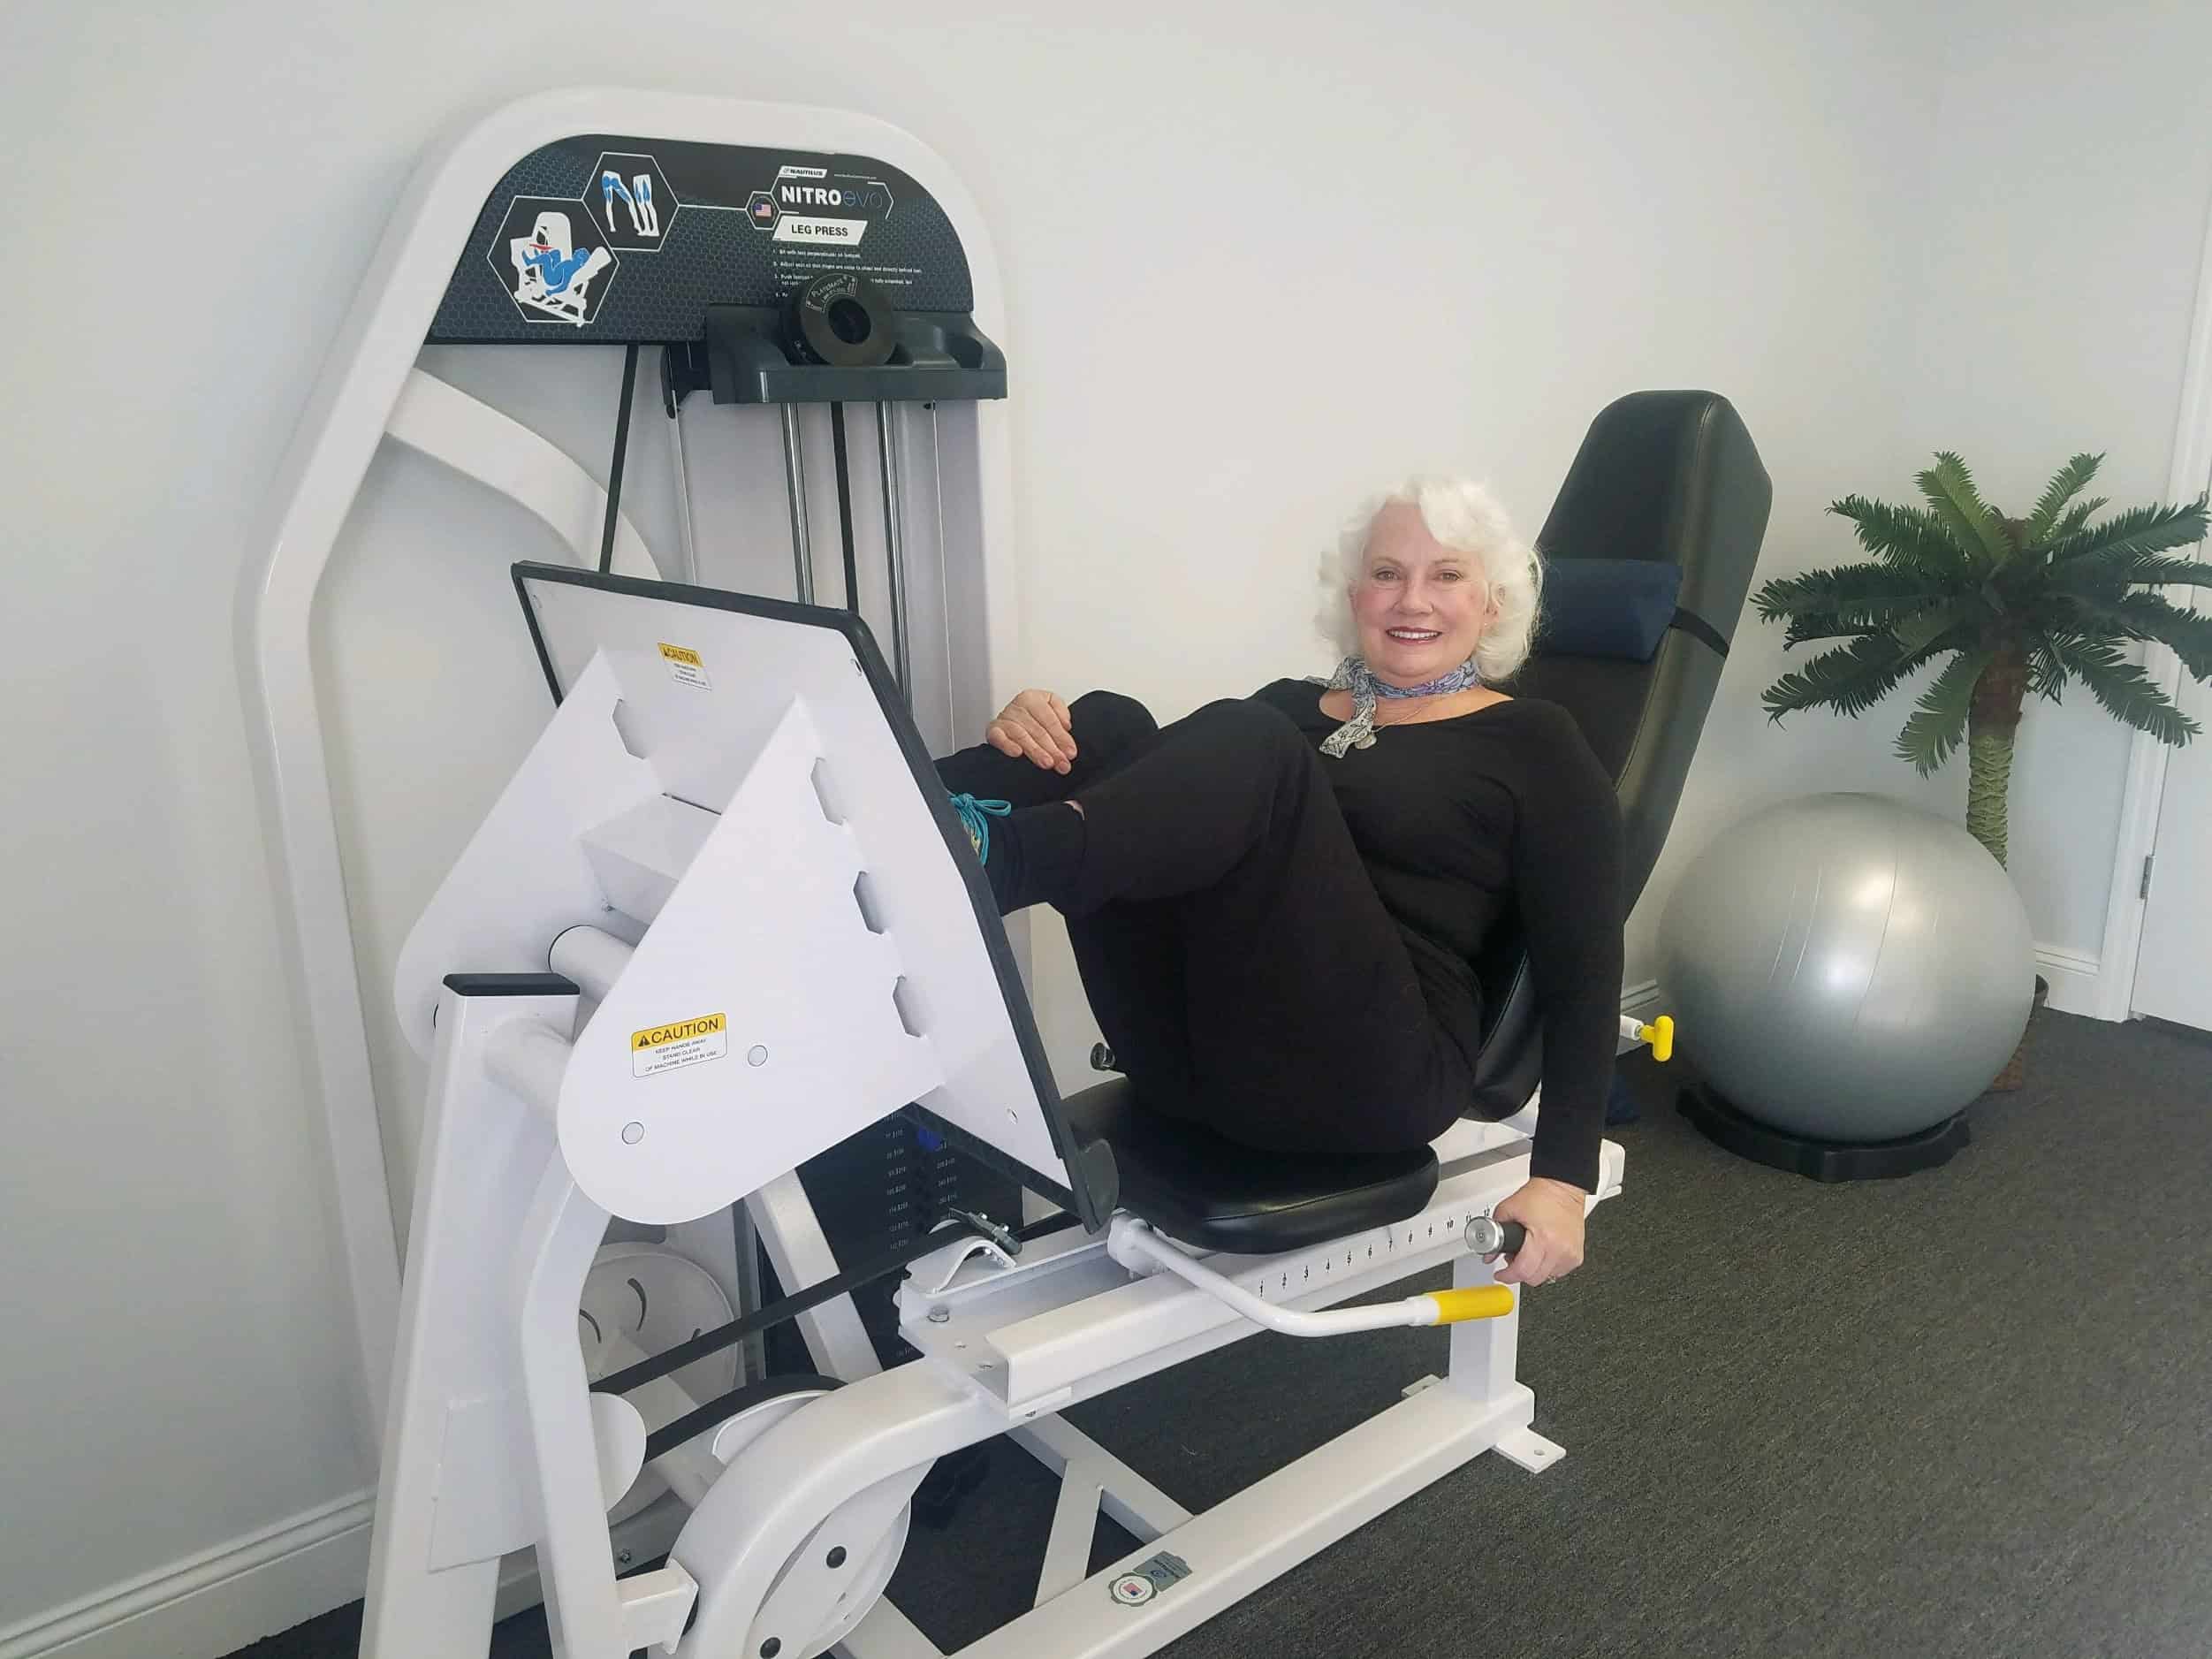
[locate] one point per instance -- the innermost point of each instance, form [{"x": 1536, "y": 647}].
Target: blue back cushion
[{"x": 1606, "y": 607}]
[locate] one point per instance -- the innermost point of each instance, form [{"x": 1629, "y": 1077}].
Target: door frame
[{"x": 2147, "y": 758}]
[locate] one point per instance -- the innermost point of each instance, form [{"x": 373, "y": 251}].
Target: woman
[{"x": 1275, "y": 902}]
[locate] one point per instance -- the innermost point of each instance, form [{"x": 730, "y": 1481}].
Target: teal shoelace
[{"x": 976, "y": 815}]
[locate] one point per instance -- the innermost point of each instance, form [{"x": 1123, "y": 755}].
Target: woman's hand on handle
[
  {"x": 1036, "y": 726},
  {"x": 1552, "y": 1211}
]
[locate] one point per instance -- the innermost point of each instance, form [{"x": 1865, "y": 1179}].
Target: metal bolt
[
  {"x": 624, "y": 1557},
  {"x": 939, "y": 1316},
  {"x": 837, "y": 1557}
]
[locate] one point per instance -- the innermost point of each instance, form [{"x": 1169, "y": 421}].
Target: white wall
[
  {"x": 1514, "y": 226},
  {"x": 2061, "y": 233},
  {"x": 1258, "y": 261}
]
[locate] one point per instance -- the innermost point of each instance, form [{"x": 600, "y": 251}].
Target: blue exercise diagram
[
  {"x": 626, "y": 195},
  {"x": 637, "y": 196},
  {"x": 553, "y": 274}
]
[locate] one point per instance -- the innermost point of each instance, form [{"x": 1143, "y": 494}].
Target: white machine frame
[
  {"x": 495, "y": 1443},
  {"x": 370, "y": 390},
  {"x": 821, "y": 879}
]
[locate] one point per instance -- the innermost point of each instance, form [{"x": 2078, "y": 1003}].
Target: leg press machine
[
  {"x": 721, "y": 919},
  {"x": 749, "y": 982}
]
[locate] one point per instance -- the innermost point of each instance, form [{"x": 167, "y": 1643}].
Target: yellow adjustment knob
[
  {"x": 1661, "y": 1035},
  {"x": 1484, "y": 1301}
]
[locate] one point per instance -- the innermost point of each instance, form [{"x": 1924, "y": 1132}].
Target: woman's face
[{"x": 1421, "y": 608}]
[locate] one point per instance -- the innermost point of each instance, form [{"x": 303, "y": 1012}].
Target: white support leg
[
  {"x": 800, "y": 1253},
  {"x": 745, "y": 1243},
  {"x": 721, "y": 1243},
  {"x": 1075, "y": 1528},
  {"x": 1131, "y": 1502},
  {"x": 583, "y": 1611},
  {"x": 454, "y": 1492},
  {"x": 886, "y": 1633},
  {"x": 1163, "y": 1589},
  {"x": 1484, "y": 1354}
]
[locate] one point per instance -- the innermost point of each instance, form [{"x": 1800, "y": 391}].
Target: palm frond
[
  {"x": 1963, "y": 615},
  {"x": 2151, "y": 570},
  {"x": 2147, "y": 530},
  {"x": 2068, "y": 483},
  {"x": 1850, "y": 679},
  {"x": 2077, "y": 516},
  {"x": 1813, "y": 625},
  {"x": 2046, "y": 674},
  {"x": 1908, "y": 538},
  {"x": 2133, "y": 614},
  {"x": 1864, "y": 593},
  {"x": 1974, "y": 529},
  {"x": 2125, "y": 691},
  {"x": 2184, "y": 632},
  {"x": 2098, "y": 577},
  {"x": 1939, "y": 721}
]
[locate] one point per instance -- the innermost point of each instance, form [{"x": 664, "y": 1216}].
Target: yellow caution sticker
[
  {"x": 686, "y": 666},
  {"x": 660, "y": 1048}
]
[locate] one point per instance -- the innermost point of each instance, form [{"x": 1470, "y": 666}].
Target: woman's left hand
[{"x": 1551, "y": 1211}]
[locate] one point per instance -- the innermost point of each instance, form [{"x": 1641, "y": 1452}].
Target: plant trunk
[{"x": 1993, "y": 720}]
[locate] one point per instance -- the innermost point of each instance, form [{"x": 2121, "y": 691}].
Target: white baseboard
[
  {"x": 2075, "y": 980},
  {"x": 215, "y": 1602}
]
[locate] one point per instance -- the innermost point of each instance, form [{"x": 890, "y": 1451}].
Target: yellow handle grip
[
  {"x": 1483, "y": 1301},
  {"x": 1661, "y": 1035}
]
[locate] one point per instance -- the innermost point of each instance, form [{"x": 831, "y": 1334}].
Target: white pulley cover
[
  {"x": 640, "y": 1300},
  {"x": 878, "y": 1544}
]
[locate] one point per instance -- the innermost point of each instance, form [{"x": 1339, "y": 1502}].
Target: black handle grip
[{"x": 1493, "y": 1238}]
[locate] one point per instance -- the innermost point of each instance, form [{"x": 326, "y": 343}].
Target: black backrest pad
[{"x": 1666, "y": 476}]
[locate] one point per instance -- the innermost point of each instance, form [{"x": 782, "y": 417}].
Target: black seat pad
[{"x": 1195, "y": 1186}]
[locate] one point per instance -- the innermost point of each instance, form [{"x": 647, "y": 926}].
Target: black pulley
[{"x": 843, "y": 320}]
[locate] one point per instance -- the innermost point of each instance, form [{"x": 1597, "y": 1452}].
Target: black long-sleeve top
[{"x": 1461, "y": 821}]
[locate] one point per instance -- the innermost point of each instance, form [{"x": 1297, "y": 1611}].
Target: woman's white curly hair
[{"x": 1464, "y": 516}]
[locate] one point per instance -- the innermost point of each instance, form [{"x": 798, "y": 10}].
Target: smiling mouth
[{"x": 1413, "y": 635}]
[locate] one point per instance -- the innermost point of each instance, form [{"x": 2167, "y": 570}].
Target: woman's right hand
[{"x": 1036, "y": 725}]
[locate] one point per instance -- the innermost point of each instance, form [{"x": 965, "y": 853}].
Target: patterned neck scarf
[{"x": 1353, "y": 675}]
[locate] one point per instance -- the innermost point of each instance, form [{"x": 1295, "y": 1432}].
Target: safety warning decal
[
  {"x": 685, "y": 667},
  {"x": 660, "y": 1048}
]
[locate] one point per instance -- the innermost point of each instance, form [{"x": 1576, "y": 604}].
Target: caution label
[
  {"x": 685, "y": 667},
  {"x": 660, "y": 1048}
]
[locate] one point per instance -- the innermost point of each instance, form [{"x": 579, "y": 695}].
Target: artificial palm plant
[{"x": 2019, "y": 605}]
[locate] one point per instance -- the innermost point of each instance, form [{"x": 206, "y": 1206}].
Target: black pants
[{"x": 1235, "y": 956}]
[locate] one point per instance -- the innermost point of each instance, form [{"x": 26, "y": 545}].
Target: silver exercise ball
[{"x": 1846, "y": 968}]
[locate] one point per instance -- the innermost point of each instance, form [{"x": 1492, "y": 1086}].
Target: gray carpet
[{"x": 1967, "y": 1413}]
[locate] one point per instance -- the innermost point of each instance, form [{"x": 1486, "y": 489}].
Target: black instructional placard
[{"x": 619, "y": 240}]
